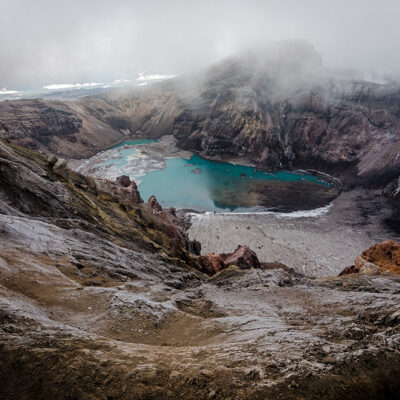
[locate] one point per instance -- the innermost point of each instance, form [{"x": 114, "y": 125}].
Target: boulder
[
  {"x": 365, "y": 267},
  {"x": 60, "y": 164},
  {"x": 242, "y": 257},
  {"x": 51, "y": 159},
  {"x": 211, "y": 263},
  {"x": 379, "y": 258},
  {"x": 370, "y": 269}
]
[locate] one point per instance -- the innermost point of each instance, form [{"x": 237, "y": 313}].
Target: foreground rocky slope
[{"x": 100, "y": 299}]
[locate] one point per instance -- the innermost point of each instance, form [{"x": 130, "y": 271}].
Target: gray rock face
[
  {"x": 125, "y": 189},
  {"x": 57, "y": 127},
  {"x": 328, "y": 124},
  {"x": 154, "y": 204}
]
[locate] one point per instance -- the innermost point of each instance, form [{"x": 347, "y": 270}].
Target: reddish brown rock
[
  {"x": 243, "y": 257},
  {"x": 386, "y": 255},
  {"x": 211, "y": 263},
  {"x": 351, "y": 269},
  {"x": 379, "y": 258}
]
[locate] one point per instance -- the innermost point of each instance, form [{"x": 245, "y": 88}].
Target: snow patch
[
  {"x": 152, "y": 77},
  {"x": 6, "y": 91},
  {"x": 58, "y": 86},
  {"x": 316, "y": 212}
]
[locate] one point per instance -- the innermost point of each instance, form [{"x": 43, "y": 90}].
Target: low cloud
[{"x": 47, "y": 41}]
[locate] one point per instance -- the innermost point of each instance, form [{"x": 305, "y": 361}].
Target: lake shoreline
[
  {"x": 167, "y": 144},
  {"x": 256, "y": 190},
  {"x": 312, "y": 240}
]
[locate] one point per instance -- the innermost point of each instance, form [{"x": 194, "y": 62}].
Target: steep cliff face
[
  {"x": 36, "y": 119},
  {"x": 59, "y": 127},
  {"x": 316, "y": 121}
]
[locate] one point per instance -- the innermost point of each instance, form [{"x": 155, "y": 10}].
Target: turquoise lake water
[
  {"x": 213, "y": 186},
  {"x": 206, "y": 185}
]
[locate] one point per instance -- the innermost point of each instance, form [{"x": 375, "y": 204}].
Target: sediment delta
[{"x": 152, "y": 156}]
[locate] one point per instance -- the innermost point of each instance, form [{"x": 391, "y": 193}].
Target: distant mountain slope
[
  {"x": 60, "y": 127},
  {"x": 277, "y": 107}
]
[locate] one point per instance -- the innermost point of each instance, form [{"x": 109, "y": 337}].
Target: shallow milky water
[
  {"x": 123, "y": 159},
  {"x": 205, "y": 185}
]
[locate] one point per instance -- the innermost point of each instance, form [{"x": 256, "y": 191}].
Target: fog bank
[{"x": 46, "y": 42}]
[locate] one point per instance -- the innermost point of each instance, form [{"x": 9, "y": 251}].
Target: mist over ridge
[{"x": 52, "y": 42}]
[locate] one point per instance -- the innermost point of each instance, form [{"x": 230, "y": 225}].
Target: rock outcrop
[
  {"x": 123, "y": 188},
  {"x": 243, "y": 258},
  {"x": 385, "y": 255},
  {"x": 154, "y": 204},
  {"x": 38, "y": 186},
  {"x": 378, "y": 259}
]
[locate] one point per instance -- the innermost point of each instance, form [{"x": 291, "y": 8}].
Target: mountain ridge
[{"x": 278, "y": 110}]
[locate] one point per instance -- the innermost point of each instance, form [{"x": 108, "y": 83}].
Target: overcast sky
[{"x": 70, "y": 41}]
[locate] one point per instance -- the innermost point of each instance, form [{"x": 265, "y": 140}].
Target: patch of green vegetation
[{"x": 230, "y": 272}]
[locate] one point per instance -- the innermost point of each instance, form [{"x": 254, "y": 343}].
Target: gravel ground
[{"x": 319, "y": 243}]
